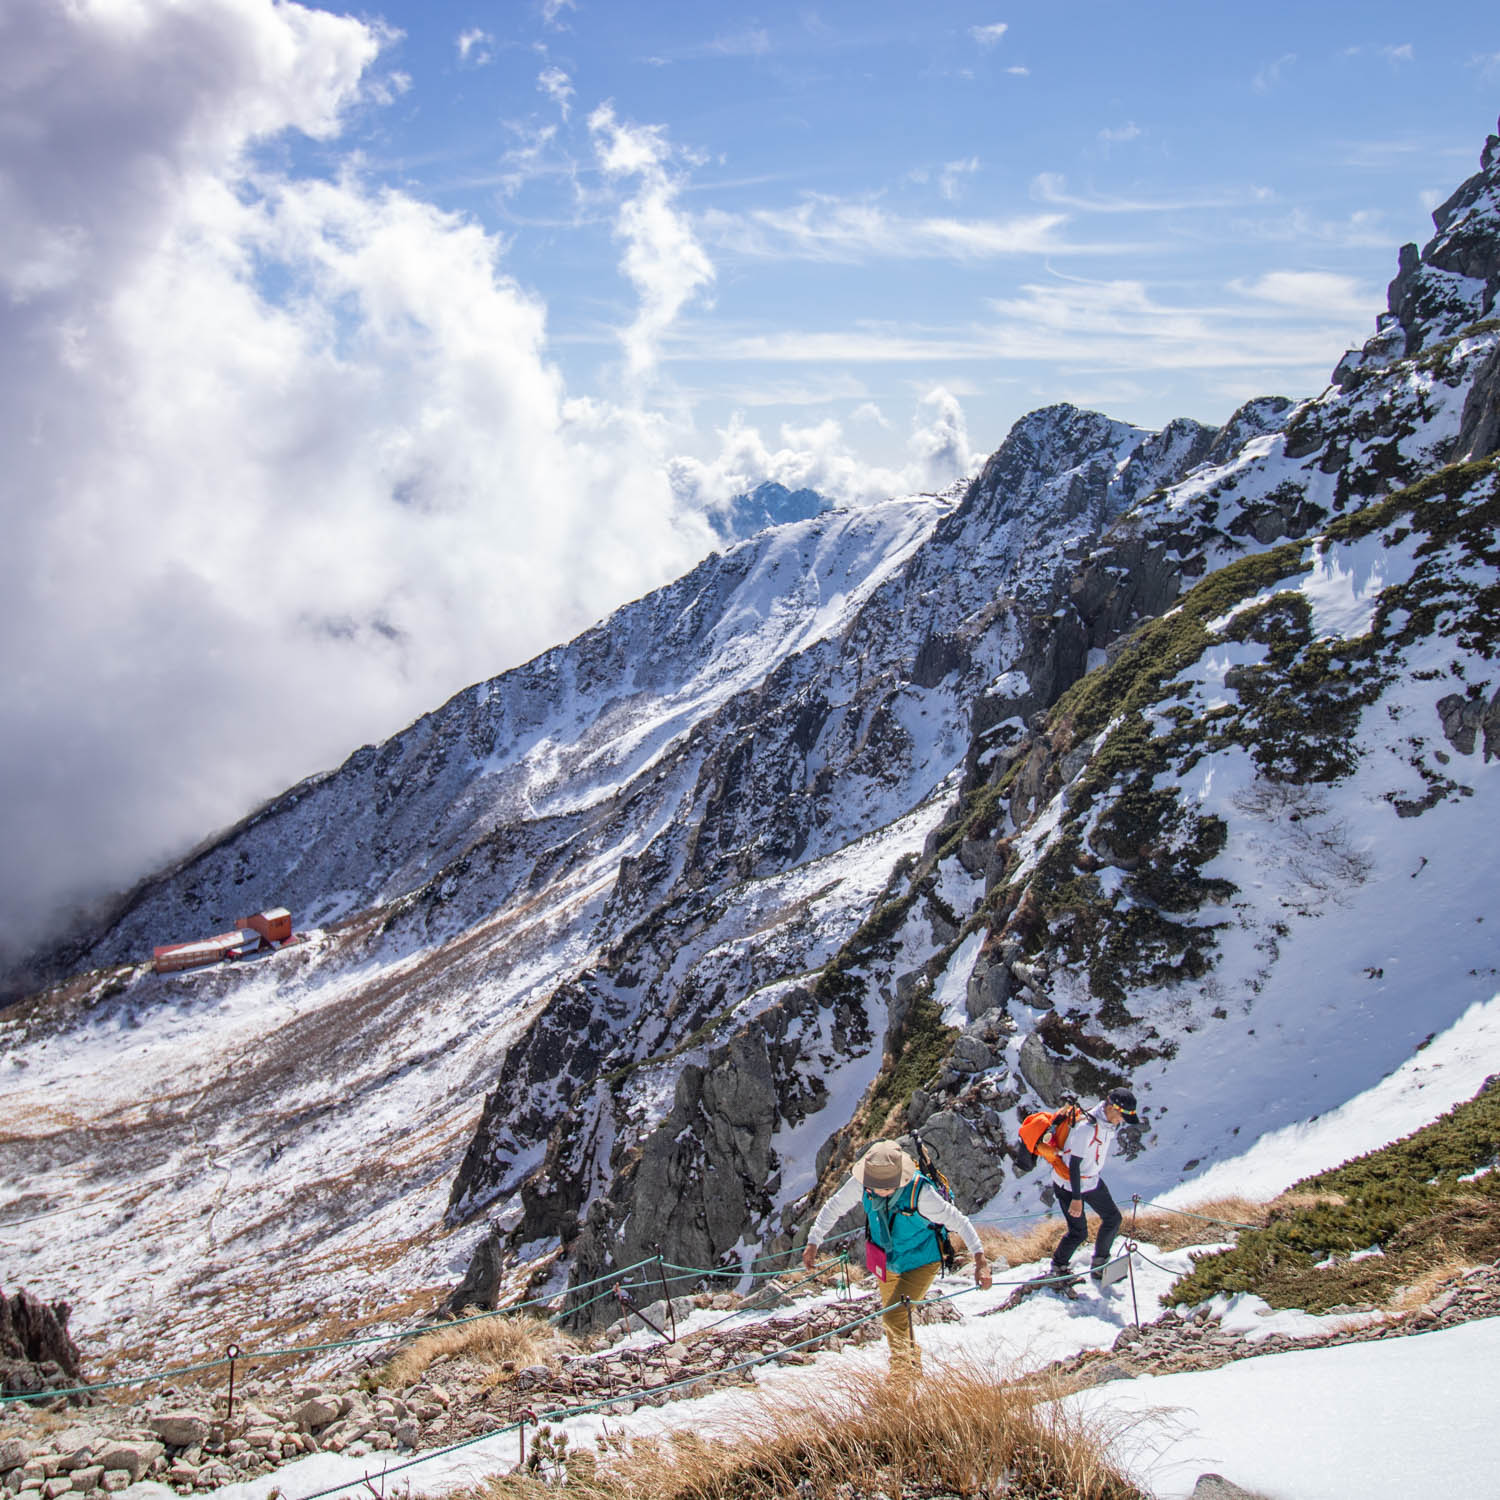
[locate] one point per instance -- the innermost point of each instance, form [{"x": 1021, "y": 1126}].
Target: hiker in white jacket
[{"x": 1079, "y": 1180}]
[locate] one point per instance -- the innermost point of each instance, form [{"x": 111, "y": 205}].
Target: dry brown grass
[
  {"x": 1167, "y": 1231},
  {"x": 959, "y": 1430},
  {"x": 516, "y": 1341}
]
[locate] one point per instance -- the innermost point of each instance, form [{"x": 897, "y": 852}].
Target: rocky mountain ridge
[{"x": 906, "y": 817}]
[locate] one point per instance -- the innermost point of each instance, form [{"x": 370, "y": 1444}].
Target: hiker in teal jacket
[{"x": 902, "y": 1212}]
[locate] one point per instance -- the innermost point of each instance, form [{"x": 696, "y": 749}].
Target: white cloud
[
  {"x": 552, "y": 9},
  {"x": 558, "y": 87},
  {"x": 475, "y": 48},
  {"x": 952, "y": 175},
  {"x": 1052, "y": 187},
  {"x": 1019, "y": 71},
  {"x": 1069, "y": 323},
  {"x": 988, "y": 36},
  {"x": 1118, "y": 134},
  {"x": 1269, "y": 77},
  {"x": 834, "y": 229},
  {"x": 818, "y": 457},
  {"x": 663, "y": 258},
  {"x": 1401, "y": 54},
  {"x": 287, "y": 458},
  {"x": 1310, "y": 291},
  {"x": 1488, "y": 64}
]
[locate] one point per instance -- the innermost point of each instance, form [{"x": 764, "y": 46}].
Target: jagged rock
[
  {"x": 14, "y": 1452},
  {"x": 1463, "y": 719},
  {"x": 480, "y": 1286},
  {"x": 1053, "y": 1078},
  {"x": 989, "y": 985},
  {"x": 970, "y": 1055},
  {"x": 36, "y": 1352},
  {"x": 972, "y": 1169}
]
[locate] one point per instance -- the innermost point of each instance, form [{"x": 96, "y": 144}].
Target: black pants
[{"x": 1100, "y": 1201}]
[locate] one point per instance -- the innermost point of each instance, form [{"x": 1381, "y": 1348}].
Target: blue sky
[
  {"x": 1155, "y": 209},
  {"x": 349, "y": 359}
]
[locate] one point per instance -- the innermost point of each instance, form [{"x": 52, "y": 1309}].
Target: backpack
[
  {"x": 1045, "y": 1133},
  {"x": 929, "y": 1170}
]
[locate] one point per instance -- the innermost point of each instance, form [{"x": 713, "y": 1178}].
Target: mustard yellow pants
[{"x": 906, "y": 1357}]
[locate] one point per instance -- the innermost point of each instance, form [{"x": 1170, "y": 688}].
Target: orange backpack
[{"x": 1045, "y": 1133}]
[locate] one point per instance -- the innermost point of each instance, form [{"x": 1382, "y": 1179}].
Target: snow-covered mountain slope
[{"x": 1134, "y": 761}]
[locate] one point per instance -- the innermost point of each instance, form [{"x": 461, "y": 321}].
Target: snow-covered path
[{"x": 1389, "y": 1420}]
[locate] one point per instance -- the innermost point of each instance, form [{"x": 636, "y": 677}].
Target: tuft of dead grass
[
  {"x": 502, "y": 1340},
  {"x": 1167, "y": 1231},
  {"x": 959, "y": 1430}
]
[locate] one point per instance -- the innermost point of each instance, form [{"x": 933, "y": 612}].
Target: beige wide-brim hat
[{"x": 884, "y": 1165}]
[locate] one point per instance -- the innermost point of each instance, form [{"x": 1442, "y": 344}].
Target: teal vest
[{"x": 894, "y": 1224}]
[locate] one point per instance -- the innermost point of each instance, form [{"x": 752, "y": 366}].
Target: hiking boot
[{"x": 1096, "y": 1270}]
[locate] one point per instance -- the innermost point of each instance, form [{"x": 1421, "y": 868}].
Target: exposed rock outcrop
[{"x": 36, "y": 1351}]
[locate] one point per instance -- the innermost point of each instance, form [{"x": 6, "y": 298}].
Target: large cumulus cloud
[{"x": 286, "y": 460}]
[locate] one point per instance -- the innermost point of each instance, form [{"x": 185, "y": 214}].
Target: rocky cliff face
[{"x": 909, "y": 817}]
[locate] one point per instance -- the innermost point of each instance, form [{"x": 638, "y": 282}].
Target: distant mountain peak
[{"x": 768, "y": 504}]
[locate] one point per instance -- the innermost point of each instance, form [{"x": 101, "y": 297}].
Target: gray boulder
[{"x": 973, "y": 1172}]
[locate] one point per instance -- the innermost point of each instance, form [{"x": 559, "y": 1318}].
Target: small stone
[
  {"x": 13, "y": 1454},
  {"x": 115, "y": 1480},
  {"x": 87, "y": 1478},
  {"x": 51, "y": 1488}
]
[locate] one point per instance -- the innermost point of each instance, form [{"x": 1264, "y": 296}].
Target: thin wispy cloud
[
  {"x": 663, "y": 259},
  {"x": 828, "y": 229},
  {"x": 1117, "y": 325},
  {"x": 475, "y": 48},
  {"x": 1314, "y": 292},
  {"x": 1019, "y": 71},
  {"x": 752, "y": 42},
  {"x": 1362, "y": 229},
  {"x": 1269, "y": 77},
  {"x": 1488, "y": 64},
  {"x": 1052, "y": 188},
  {"x": 950, "y": 179},
  {"x": 552, "y": 9},
  {"x": 558, "y": 87},
  {"x": 988, "y": 36},
  {"x": 1114, "y": 135}
]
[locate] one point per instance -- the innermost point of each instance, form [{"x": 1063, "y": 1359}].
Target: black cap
[{"x": 1124, "y": 1101}]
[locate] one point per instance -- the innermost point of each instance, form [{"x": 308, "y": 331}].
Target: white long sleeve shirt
[
  {"x": 1089, "y": 1141},
  {"x": 930, "y": 1203}
]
